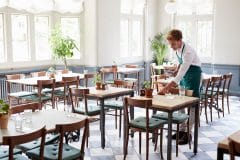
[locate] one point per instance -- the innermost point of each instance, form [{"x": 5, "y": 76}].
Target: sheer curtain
[{"x": 38, "y": 6}]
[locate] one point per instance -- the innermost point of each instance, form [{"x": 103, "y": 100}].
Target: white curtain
[{"x": 38, "y": 6}]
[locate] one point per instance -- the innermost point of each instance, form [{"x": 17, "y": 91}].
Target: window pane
[
  {"x": 20, "y": 46},
  {"x": 71, "y": 28},
  {"x": 43, "y": 51},
  {"x": 2, "y": 52},
  {"x": 136, "y": 47},
  {"x": 126, "y": 6},
  {"x": 204, "y": 38},
  {"x": 124, "y": 38},
  {"x": 138, "y": 6},
  {"x": 186, "y": 28}
]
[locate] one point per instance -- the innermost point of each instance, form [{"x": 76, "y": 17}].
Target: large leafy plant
[
  {"x": 62, "y": 46},
  {"x": 159, "y": 48},
  {"x": 4, "y": 107}
]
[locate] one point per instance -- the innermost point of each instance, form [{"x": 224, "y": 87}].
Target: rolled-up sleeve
[{"x": 187, "y": 61}]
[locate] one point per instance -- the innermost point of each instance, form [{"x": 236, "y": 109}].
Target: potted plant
[
  {"x": 148, "y": 90},
  {"x": 51, "y": 71},
  {"x": 4, "y": 114},
  {"x": 62, "y": 47},
  {"x": 159, "y": 47},
  {"x": 98, "y": 81}
]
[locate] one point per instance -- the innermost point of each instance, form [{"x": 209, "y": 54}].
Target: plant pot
[
  {"x": 51, "y": 75},
  {"x": 142, "y": 92},
  {"x": 103, "y": 86},
  {"x": 98, "y": 85},
  {"x": 148, "y": 93},
  {"x": 4, "y": 121}
]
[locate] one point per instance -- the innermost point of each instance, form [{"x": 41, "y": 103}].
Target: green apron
[{"x": 191, "y": 80}]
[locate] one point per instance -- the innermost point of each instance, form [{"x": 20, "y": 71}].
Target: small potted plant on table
[
  {"x": 148, "y": 90},
  {"x": 98, "y": 81},
  {"x": 4, "y": 114}
]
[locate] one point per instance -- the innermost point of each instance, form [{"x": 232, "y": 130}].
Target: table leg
[
  {"x": 169, "y": 144},
  {"x": 102, "y": 123},
  {"x": 132, "y": 115},
  {"x": 138, "y": 79},
  {"x": 196, "y": 128}
]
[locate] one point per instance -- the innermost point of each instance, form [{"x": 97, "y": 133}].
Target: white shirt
[{"x": 189, "y": 57}]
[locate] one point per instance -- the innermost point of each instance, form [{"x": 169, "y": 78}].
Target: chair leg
[
  {"x": 147, "y": 145},
  {"x": 205, "y": 105},
  {"x": 217, "y": 106},
  {"x": 177, "y": 138},
  {"x": 126, "y": 143},
  {"x": 211, "y": 109},
  {"x": 161, "y": 143},
  {"x": 223, "y": 104},
  {"x": 120, "y": 123},
  {"x": 140, "y": 142},
  {"x": 115, "y": 118},
  {"x": 188, "y": 132},
  {"x": 156, "y": 139},
  {"x": 228, "y": 103}
]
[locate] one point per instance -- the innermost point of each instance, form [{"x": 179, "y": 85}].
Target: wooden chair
[
  {"x": 178, "y": 117},
  {"x": 118, "y": 105},
  {"x": 108, "y": 71},
  {"x": 12, "y": 141},
  {"x": 38, "y": 74},
  {"x": 15, "y": 91},
  {"x": 78, "y": 94},
  {"x": 214, "y": 94},
  {"x": 50, "y": 138},
  {"x": 141, "y": 124},
  {"x": 63, "y": 151},
  {"x": 224, "y": 91},
  {"x": 204, "y": 92},
  {"x": 87, "y": 76},
  {"x": 43, "y": 97},
  {"x": 229, "y": 145},
  {"x": 126, "y": 78},
  {"x": 68, "y": 82}
]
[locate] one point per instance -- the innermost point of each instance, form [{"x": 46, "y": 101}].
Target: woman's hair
[{"x": 174, "y": 34}]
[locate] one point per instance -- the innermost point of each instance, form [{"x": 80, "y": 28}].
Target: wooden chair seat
[
  {"x": 177, "y": 117},
  {"x": 93, "y": 110},
  {"x": 114, "y": 104},
  {"x": 16, "y": 157}
]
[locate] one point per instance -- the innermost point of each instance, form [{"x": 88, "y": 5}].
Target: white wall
[{"x": 227, "y": 32}]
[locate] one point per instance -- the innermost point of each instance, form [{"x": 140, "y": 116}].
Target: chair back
[
  {"x": 88, "y": 76},
  {"x": 12, "y": 141},
  {"x": 234, "y": 147},
  {"x": 153, "y": 72},
  {"x": 227, "y": 81},
  {"x": 216, "y": 83},
  {"x": 20, "y": 108},
  {"x": 131, "y": 66},
  {"x": 124, "y": 84},
  {"x": 63, "y": 128},
  {"x": 38, "y": 74},
  {"x": 50, "y": 83},
  {"x": 65, "y": 71},
  {"x": 108, "y": 70},
  {"x": 13, "y": 87},
  {"x": 140, "y": 103},
  {"x": 205, "y": 86},
  {"x": 71, "y": 81},
  {"x": 77, "y": 94}
]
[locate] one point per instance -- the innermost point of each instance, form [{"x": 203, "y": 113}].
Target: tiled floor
[{"x": 209, "y": 135}]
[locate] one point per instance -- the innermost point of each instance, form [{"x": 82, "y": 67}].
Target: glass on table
[
  {"x": 18, "y": 122},
  {"x": 181, "y": 90},
  {"x": 28, "y": 115}
]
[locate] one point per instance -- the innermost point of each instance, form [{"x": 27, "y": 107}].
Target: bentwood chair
[
  {"x": 224, "y": 91},
  {"x": 12, "y": 141},
  {"x": 61, "y": 150},
  {"x": 141, "y": 124},
  {"x": 108, "y": 71},
  {"x": 116, "y": 104},
  {"x": 49, "y": 138},
  {"x": 178, "y": 117},
  {"x": 41, "y": 96},
  {"x": 204, "y": 92},
  {"x": 15, "y": 91}
]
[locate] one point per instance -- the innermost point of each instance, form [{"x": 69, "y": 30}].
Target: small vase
[
  {"x": 148, "y": 93},
  {"x": 4, "y": 121}
]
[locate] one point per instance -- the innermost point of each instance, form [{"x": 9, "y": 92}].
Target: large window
[
  {"x": 195, "y": 19},
  {"x": 131, "y": 34},
  {"x": 20, "y": 44},
  {"x": 70, "y": 27},
  {"x": 42, "y": 47},
  {"x": 2, "y": 48}
]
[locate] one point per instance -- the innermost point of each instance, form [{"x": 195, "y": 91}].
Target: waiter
[{"x": 188, "y": 75}]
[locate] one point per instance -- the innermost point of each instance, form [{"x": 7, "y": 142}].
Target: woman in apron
[{"x": 188, "y": 75}]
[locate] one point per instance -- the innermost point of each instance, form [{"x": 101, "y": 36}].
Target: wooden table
[
  {"x": 33, "y": 80},
  {"x": 102, "y": 95},
  {"x": 48, "y": 118},
  {"x": 169, "y": 105}
]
